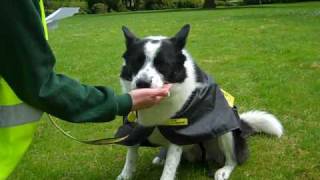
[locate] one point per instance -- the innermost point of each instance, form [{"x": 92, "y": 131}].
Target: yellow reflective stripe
[
  {"x": 43, "y": 19},
  {"x": 12, "y": 110},
  {"x": 18, "y": 114},
  {"x": 14, "y": 142},
  {"x": 132, "y": 117},
  {"x": 230, "y": 99},
  {"x": 8, "y": 97},
  {"x": 177, "y": 122}
]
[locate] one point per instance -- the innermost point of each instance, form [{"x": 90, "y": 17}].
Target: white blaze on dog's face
[
  {"x": 148, "y": 76},
  {"x": 153, "y": 61}
]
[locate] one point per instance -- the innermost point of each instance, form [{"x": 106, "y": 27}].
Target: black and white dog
[{"x": 212, "y": 130}]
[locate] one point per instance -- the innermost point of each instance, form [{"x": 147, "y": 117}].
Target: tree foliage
[{"x": 94, "y": 6}]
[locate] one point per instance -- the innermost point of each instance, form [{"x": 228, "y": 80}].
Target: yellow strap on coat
[
  {"x": 132, "y": 117},
  {"x": 177, "y": 122},
  {"x": 230, "y": 99}
]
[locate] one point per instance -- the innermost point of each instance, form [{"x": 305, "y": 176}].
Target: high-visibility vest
[{"x": 18, "y": 122}]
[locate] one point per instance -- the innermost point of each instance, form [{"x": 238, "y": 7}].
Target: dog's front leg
[
  {"x": 227, "y": 144},
  {"x": 130, "y": 165},
  {"x": 172, "y": 162}
]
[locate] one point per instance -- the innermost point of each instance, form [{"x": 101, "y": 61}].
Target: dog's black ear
[
  {"x": 130, "y": 37},
  {"x": 180, "y": 39}
]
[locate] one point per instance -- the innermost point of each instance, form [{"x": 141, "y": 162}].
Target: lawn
[{"x": 267, "y": 57}]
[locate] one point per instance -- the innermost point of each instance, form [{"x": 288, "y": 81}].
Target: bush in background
[
  {"x": 189, "y": 3},
  {"x": 170, "y": 4},
  {"x": 229, "y": 2},
  {"x": 99, "y": 8},
  {"x": 52, "y": 5},
  {"x": 273, "y": 1},
  {"x": 115, "y": 5},
  {"x": 158, "y": 4},
  {"x": 112, "y": 5}
]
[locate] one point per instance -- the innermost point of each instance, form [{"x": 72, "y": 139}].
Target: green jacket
[{"x": 27, "y": 62}]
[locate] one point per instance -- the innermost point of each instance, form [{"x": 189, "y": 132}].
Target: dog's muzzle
[{"x": 142, "y": 83}]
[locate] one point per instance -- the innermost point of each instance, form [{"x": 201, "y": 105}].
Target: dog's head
[{"x": 154, "y": 60}]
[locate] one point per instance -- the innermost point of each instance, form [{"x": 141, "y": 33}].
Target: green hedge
[
  {"x": 169, "y": 4},
  {"x": 229, "y": 2},
  {"x": 99, "y": 8},
  {"x": 157, "y": 4},
  {"x": 86, "y": 6},
  {"x": 113, "y": 5},
  {"x": 189, "y": 3},
  {"x": 56, "y": 4},
  {"x": 273, "y": 1}
]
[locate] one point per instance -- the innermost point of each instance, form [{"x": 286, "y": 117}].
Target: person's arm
[{"x": 26, "y": 63}]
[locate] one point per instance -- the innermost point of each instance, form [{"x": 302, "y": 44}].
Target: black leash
[{"x": 105, "y": 141}]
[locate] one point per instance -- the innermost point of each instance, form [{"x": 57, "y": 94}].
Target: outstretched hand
[{"x": 147, "y": 97}]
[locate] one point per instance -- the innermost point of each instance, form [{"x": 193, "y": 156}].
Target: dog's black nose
[{"x": 141, "y": 83}]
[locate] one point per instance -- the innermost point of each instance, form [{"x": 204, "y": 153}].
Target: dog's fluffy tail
[{"x": 261, "y": 121}]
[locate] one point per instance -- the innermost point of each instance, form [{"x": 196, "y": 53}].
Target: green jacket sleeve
[{"x": 27, "y": 62}]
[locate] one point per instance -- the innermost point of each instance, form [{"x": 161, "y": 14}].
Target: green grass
[{"x": 268, "y": 58}]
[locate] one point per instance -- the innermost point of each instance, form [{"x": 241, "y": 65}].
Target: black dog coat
[{"x": 207, "y": 111}]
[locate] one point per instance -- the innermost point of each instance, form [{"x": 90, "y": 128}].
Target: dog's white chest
[{"x": 157, "y": 138}]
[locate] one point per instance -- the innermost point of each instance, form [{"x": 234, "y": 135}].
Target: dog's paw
[
  {"x": 124, "y": 177},
  {"x": 222, "y": 174},
  {"x": 158, "y": 161}
]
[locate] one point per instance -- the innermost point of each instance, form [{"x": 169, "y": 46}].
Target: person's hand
[{"x": 147, "y": 97}]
